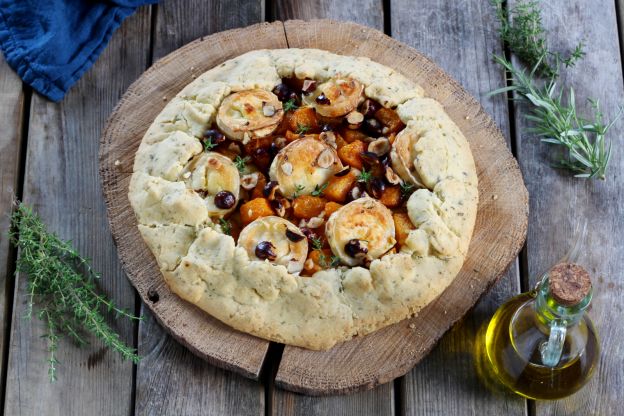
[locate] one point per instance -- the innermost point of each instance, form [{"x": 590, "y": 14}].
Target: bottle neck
[{"x": 549, "y": 310}]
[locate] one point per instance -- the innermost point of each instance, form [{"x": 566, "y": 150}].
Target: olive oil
[{"x": 519, "y": 366}]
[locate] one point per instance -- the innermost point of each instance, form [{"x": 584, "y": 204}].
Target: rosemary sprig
[
  {"x": 553, "y": 110},
  {"x": 557, "y": 122},
  {"x": 522, "y": 31},
  {"x": 61, "y": 283}
]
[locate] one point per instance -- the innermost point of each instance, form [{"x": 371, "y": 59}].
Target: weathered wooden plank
[
  {"x": 379, "y": 401},
  {"x": 12, "y": 112},
  {"x": 364, "y": 12},
  {"x": 63, "y": 186},
  {"x": 460, "y": 38},
  {"x": 559, "y": 201},
  {"x": 170, "y": 379}
]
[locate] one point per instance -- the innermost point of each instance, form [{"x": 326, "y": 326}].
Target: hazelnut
[
  {"x": 268, "y": 110},
  {"x": 287, "y": 168},
  {"x": 391, "y": 176},
  {"x": 225, "y": 200},
  {"x": 280, "y": 142},
  {"x": 329, "y": 137},
  {"x": 369, "y": 108},
  {"x": 380, "y": 146},
  {"x": 280, "y": 205},
  {"x": 355, "y": 119},
  {"x": 269, "y": 190},
  {"x": 249, "y": 181},
  {"x": 325, "y": 159},
  {"x": 309, "y": 85},
  {"x": 234, "y": 148},
  {"x": 265, "y": 250}
]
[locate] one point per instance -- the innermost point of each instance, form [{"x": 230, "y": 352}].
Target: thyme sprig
[
  {"x": 290, "y": 105},
  {"x": 61, "y": 285},
  {"x": 302, "y": 128},
  {"x": 298, "y": 189},
  {"x": 522, "y": 31},
  {"x": 241, "y": 163},
  {"x": 318, "y": 190},
  {"x": 365, "y": 176},
  {"x": 556, "y": 121}
]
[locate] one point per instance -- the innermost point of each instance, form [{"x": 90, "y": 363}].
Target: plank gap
[
  {"x": 619, "y": 4},
  {"x": 12, "y": 254},
  {"x": 387, "y": 17},
  {"x": 268, "y": 11},
  {"x": 152, "y": 35},
  {"x": 399, "y": 396},
  {"x": 268, "y": 372}
]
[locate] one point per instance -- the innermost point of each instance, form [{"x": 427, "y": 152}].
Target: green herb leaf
[
  {"x": 208, "y": 144},
  {"x": 226, "y": 226},
  {"x": 302, "y": 129},
  {"x": 290, "y": 105},
  {"x": 407, "y": 189},
  {"x": 298, "y": 190},
  {"x": 241, "y": 163},
  {"x": 318, "y": 190},
  {"x": 317, "y": 243},
  {"x": 61, "y": 285},
  {"x": 365, "y": 176},
  {"x": 522, "y": 31},
  {"x": 556, "y": 121}
]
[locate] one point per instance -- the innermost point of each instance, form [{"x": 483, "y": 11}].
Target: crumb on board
[
  {"x": 117, "y": 162},
  {"x": 412, "y": 325}
]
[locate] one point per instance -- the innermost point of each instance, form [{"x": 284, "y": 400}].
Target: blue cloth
[{"x": 51, "y": 43}]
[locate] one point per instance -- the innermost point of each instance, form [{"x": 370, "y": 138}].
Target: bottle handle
[{"x": 551, "y": 349}]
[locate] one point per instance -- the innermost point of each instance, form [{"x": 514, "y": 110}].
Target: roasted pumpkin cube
[
  {"x": 317, "y": 260},
  {"x": 302, "y": 120},
  {"x": 352, "y": 135},
  {"x": 308, "y": 206},
  {"x": 331, "y": 207},
  {"x": 402, "y": 226},
  {"x": 350, "y": 154},
  {"x": 254, "y": 209},
  {"x": 391, "y": 196},
  {"x": 257, "y": 191},
  {"x": 340, "y": 141},
  {"x": 339, "y": 186},
  {"x": 390, "y": 119}
]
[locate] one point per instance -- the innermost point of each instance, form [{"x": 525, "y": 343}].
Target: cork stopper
[{"x": 568, "y": 283}]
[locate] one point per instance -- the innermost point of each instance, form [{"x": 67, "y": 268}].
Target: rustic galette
[{"x": 305, "y": 197}]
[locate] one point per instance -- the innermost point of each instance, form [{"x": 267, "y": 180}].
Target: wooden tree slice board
[{"x": 363, "y": 362}]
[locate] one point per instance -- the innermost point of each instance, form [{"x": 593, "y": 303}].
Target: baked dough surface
[{"x": 204, "y": 266}]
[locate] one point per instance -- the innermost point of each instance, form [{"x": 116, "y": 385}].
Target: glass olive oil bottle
[{"x": 541, "y": 344}]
